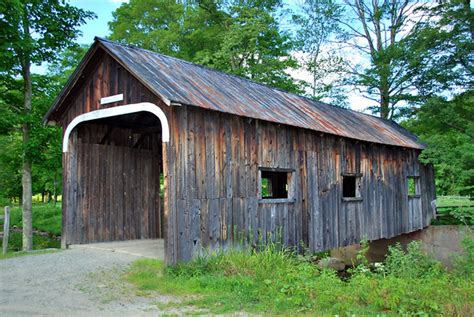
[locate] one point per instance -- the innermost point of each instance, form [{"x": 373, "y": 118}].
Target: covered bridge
[{"x": 237, "y": 160}]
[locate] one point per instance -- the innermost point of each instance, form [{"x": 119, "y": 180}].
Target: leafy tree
[
  {"x": 174, "y": 28},
  {"x": 447, "y": 127},
  {"x": 443, "y": 45},
  {"x": 441, "y": 62},
  {"x": 10, "y": 166},
  {"x": 44, "y": 143},
  {"x": 377, "y": 30},
  {"x": 62, "y": 68},
  {"x": 317, "y": 25},
  {"x": 239, "y": 37},
  {"x": 32, "y": 32}
]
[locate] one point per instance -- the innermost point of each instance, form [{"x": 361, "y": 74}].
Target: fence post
[{"x": 6, "y": 228}]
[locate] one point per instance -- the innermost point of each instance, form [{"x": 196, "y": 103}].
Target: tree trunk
[
  {"x": 384, "y": 92},
  {"x": 384, "y": 105},
  {"x": 27, "y": 196},
  {"x": 26, "y": 172},
  {"x": 26, "y": 180}
]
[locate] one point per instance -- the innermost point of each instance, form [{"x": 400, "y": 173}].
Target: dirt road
[{"x": 77, "y": 282}]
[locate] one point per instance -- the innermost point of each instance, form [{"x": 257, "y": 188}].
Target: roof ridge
[{"x": 312, "y": 101}]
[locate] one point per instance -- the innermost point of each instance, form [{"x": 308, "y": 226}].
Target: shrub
[
  {"x": 464, "y": 264},
  {"x": 412, "y": 263}
]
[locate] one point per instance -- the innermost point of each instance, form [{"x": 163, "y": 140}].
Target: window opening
[
  {"x": 351, "y": 186},
  {"x": 413, "y": 185},
  {"x": 274, "y": 184}
]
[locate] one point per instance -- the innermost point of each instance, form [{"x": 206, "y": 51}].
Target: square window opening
[
  {"x": 275, "y": 184},
  {"x": 413, "y": 186},
  {"x": 349, "y": 186}
]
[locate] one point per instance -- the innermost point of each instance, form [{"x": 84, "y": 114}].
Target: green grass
[
  {"x": 278, "y": 282},
  {"x": 46, "y": 218},
  {"x": 453, "y": 201},
  {"x": 10, "y": 254}
]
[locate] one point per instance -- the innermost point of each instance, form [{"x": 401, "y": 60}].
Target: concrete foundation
[{"x": 441, "y": 242}]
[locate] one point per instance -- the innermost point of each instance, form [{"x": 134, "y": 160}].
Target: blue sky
[{"x": 97, "y": 27}]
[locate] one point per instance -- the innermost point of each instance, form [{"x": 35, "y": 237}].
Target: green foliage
[
  {"x": 317, "y": 24},
  {"x": 238, "y": 37},
  {"x": 447, "y": 127},
  {"x": 441, "y": 48},
  {"x": 411, "y": 186},
  {"x": 265, "y": 188},
  {"x": 34, "y": 31},
  {"x": 10, "y": 165},
  {"x": 67, "y": 61},
  {"x": 277, "y": 281},
  {"x": 412, "y": 263},
  {"x": 460, "y": 215},
  {"x": 464, "y": 264},
  {"x": 43, "y": 146}
]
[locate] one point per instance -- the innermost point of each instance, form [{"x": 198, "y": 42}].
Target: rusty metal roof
[{"x": 179, "y": 81}]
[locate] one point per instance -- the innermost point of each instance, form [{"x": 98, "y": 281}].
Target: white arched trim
[{"x": 117, "y": 111}]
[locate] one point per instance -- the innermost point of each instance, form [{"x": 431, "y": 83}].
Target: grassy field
[
  {"x": 278, "y": 282},
  {"x": 460, "y": 211},
  {"x": 46, "y": 219}
]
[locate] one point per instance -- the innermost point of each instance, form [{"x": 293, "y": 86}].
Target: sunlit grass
[{"x": 277, "y": 282}]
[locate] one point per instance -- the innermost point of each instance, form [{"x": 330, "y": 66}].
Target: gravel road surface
[{"x": 76, "y": 282}]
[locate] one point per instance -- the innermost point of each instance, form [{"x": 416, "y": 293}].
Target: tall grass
[{"x": 276, "y": 281}]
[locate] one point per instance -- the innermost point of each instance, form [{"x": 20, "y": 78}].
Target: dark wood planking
[{"x": 120, "y": 207}]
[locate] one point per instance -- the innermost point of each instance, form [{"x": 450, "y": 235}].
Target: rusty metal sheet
[{"x": 190, "y": 84}]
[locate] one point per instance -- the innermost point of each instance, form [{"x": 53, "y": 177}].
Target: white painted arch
[{"x": 117, "y": 111}]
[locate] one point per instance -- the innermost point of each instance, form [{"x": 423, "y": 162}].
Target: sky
[
  {"x": 99, "y": 27},
  {"x": 96, "y": 27}
]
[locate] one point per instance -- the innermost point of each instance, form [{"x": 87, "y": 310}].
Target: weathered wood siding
[
  {"x": 215, "y": 157},
  {"x": 211, "y": 177}
]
